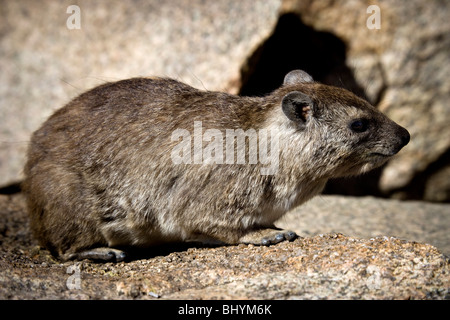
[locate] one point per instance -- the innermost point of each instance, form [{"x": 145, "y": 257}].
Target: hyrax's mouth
[
  {"x": 381, "y": 155},
  {"x": 374, "y": 160}
]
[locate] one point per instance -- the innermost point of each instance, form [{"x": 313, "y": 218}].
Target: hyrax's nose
[{"x": 403, "y": 136}]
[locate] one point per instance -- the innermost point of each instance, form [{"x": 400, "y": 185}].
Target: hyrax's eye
[{"x": 359, "y": 125}]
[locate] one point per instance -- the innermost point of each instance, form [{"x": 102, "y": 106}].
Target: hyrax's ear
[
  {"x": 297, "y": 76},
  {"x": 297, "y": 106}
]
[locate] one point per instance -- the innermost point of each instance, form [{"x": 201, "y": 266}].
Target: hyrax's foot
[
  {"x": 99, "y": 254},
  {"x": 267, "y": 236}
]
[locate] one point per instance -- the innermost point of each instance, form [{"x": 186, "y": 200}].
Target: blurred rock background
[{"x": 243, "y": 47}]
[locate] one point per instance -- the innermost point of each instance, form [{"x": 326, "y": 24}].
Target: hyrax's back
[{"x": 101, "y": 173}]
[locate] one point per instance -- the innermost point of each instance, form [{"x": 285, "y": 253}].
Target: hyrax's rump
[{"x": 150, "y": 160}]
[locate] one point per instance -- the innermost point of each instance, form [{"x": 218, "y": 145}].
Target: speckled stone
[{"x": 324, "y": 266}]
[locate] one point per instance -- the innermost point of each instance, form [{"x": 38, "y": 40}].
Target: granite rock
[
  {"x": 321, "y": 266},
  {"x": 368, "y": 217}
]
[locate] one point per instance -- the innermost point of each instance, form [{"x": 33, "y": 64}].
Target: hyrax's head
[{"x": 338, "y": 132}]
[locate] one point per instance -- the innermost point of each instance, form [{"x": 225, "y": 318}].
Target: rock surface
[
  {"x": 326, "y": 266},
  {"x": 368, "y": 217}
]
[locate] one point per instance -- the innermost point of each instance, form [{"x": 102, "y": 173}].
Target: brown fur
[{"x": 100, "y": 174}]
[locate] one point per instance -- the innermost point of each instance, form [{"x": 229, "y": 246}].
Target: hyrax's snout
[{"x": 402, "y": 138}]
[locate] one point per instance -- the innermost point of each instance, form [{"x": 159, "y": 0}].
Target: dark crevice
[
  {"x": 294, "y": 45},
  {"x": 12, "y": 188}
]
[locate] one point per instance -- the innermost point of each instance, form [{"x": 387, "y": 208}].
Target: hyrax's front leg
[{"x": 267, "y": 236}]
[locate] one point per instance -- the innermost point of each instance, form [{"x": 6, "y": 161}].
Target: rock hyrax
[{"x": 146, "y": 161}]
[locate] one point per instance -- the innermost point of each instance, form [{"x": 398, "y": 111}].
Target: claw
[{"x": 290, "y": 235}]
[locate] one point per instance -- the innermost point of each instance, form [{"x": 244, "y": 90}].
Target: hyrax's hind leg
[
  {"x": 103, "y": 254},
  {"x": 267, "y": 236}
]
